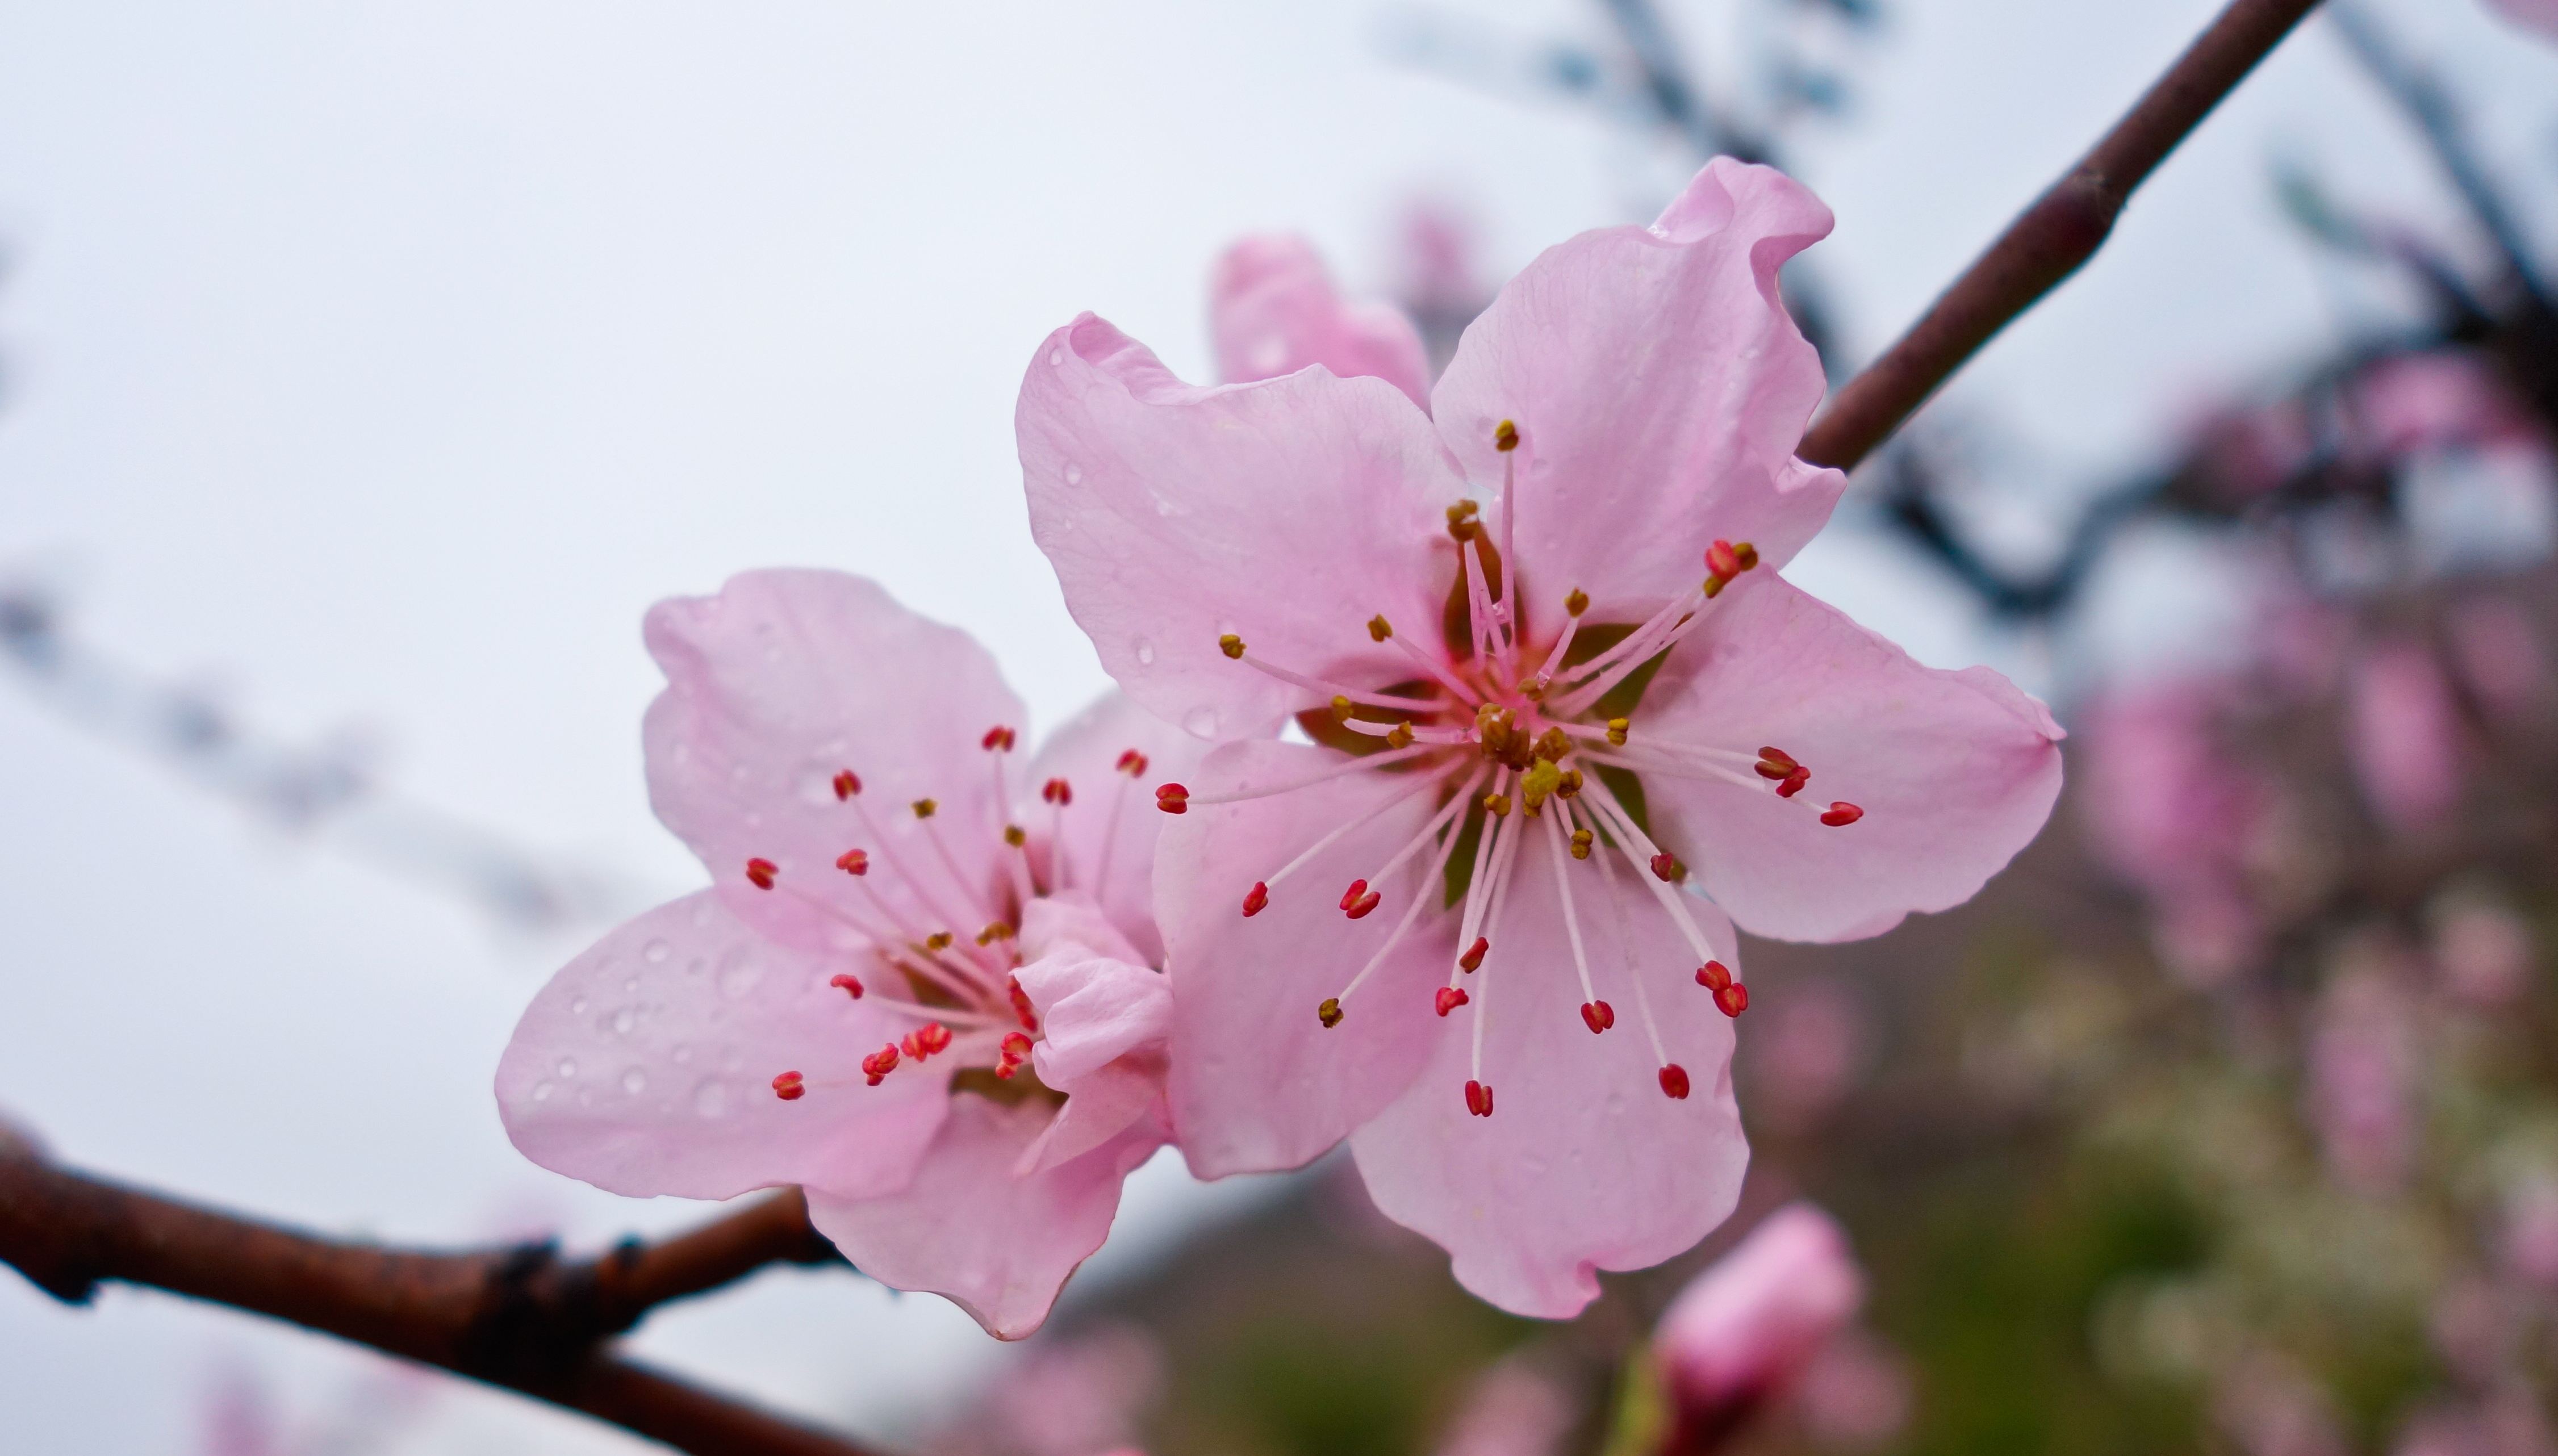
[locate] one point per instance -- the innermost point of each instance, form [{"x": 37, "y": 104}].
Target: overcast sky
[{"x": 381, "y": 363}]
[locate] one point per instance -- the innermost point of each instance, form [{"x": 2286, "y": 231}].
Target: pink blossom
[
  {"x": 1855, "y": 1394},
  {"x": 1274, "y": 310},
  {"x": 2361, "y": 1089},
  {"x": 2500, "y": 658},
  {"x": 2171, "y": 810},
  {"x": 2437, "y": 400},
  {"x": 1500, "y": 706},
  {"x": 921, "y": 984},
  {"x": 2403, "y": 732},
  {"x": 2539, "y": 15},
  {"x": 1744, "y": 1331}
]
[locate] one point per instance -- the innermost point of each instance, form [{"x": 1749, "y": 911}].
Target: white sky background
[{"x": 387, "y": 361}]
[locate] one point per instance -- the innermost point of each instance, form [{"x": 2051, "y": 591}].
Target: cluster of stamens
[
  {"x": 957, "y": 984},
  {"x": 1511, "y": 752}
]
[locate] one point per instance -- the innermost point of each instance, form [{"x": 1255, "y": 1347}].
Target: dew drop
[
  {"x": 541, "y": 1092},
  {"x": 1202, "y": 721},
  {"x": 577, "y": 1006},
  {"x": 738, "y": 979},
  {"x": 710, "y": 1100},
  {"x": 567, "y": 1069},
  {"x": 623, "y": 1020},
  {"x": 1145, "y": 652},
  {"x": 1164, "y": 505},
  {"x": 630, "y": 987},
  {"x": 655, "y": 952},
  {"x": 1074, "y": 474},
  {"x": 634, "y": 1082},
  {"x": 703, "y": 912},
  {"x": 1057, "y": 357}
]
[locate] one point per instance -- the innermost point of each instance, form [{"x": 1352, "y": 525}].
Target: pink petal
[
  {"x": 1110, "y": 808},
  {"x": 1273, "y": 309},
  {"x": 1955, "y": 771},
  {"x": 1287, "y": 512},
  {"x": 646, "y": 1066},
  {"x": 787, "y": 678},
  {"x": 1093, "y": 1011},
  {"x": 1258, "y": 1082},
  {"x": 1659, "y": 390},
  {"x": 2539, "y": 15},
  {"x": 2404, "y": 733},
  {"x": 997, "y": 1244},
  {"x": 1069, "y": 925},
  {"x": 1752, "y": 1324},
  {"x": 1584, "y": 1164}
]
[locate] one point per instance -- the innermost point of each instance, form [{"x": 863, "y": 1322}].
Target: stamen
[
  {"x": 998, "y": 739},
  {"x": 1013, "y": 1051},
  {"x": 1411, "y": 912},
  {"x": 1023, "y": 1011},
  {"x": 1625, "y": 954},
  {"x": 1841, "y": 814},
  {"x": 1331, "y": 838},
  {"x": 1733, "y": 999},
  {"x": 1674, "y": 1081},
  {"x": 760, "y": 872},
  {"x": 1359, "y": 900},
  {"x": 1506, "y": 439},
  {"x": 1449, "y": 998},
  {"x": 854, "y": 863},
  {"x": 1597, "y": 1016},
  {"x": 847, "y": 783},
  {"x": 1329, "y": 1013},
  {"x": 1668, "y": 869},
  {"x": 1328, "y": 690},
  {"x": 1573, "y": 606},
  {"x": 1131, "y": 766},
  {"x": 878, "y": 1064},
  {"x": 790, "y": 1086},
  {"x": 1479, "y": 1100},
  {"x": 851, "y": 986},
  {"x": 1172, "y": 799},
  {"x": 1256, "y": 898},
  {"x": 924, "y": 1040},
  {"x": 1432, "y": 665},
  {"x": 924, "y": 893},
  {"x": 1593, "y": 1010},
  {"x": 1368, "y": 764},
  {"x": 1632, "y": 842},
  {"x": 1636, "y": 645},
  {"x": 1478, "y": 887}
]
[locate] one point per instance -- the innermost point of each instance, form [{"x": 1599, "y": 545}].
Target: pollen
[
  {"x": 1016, "y": 836},
  {"x": 1616, "y": 731},
  {"x": 1400, "y": 736},
  {"x": 760, "y": 872},
  {"x": 847, "y": 783},
  {"x": 790, "y": 1086},
  {"x": 1449, "y": 998},
  {"x": 1056, "y": 791},
  {"x": 1724, "y": 561},
  {"x": 1379, "y": 629},
  {"x": 1581, "y": 845},
  {"x": 1841, "y": 814},
  {"x": 1674, "y": 1083},
  {"x": 1505, "y": 436},
  {"x": 1539, "y": 784},
  {"x": 1173, "y": 799},
  {"x": 1329, "y": 1013},
  {"x": 1552, "y": 743},
  {"x": 854, "y": 863},
  {"x": 1577, "y": 603},
  {"x": 1230, "y": 645},
  {"x": 1597, "y": 1016},
  {"x": 937, "y": 941},
  {"x": 924, "y": 808},
  {"x": 994, "y": 931},
  {"x": 1499, "y": 804},
  {"x": 1132, "y": 764},
  {"x": 1571, "y": 785},
  {"x": 850, "y": 985},
  {"x": 1462, "y": 521},
  {"x": 1340, "y": 708},
  {"x": 998, "y": 739},
  {"x": 1256, "y": 900},
  {"x": 1479, "y": 1099}
]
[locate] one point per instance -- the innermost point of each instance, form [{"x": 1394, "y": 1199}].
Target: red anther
[
  {"x": 1022, "y": 1004},
  {"x": 1597, "y": 1016},
  {"x": 851, "y": 986},
  {"x": 1057, "y": 792},
  {"x": 1794, "y": 782},
  {"x": 1667, "y": 867},
  {"x": 1775, "y": 763},
  {"x": 1358, "y": 909},
  {"x": 762, "y": 871},
  {"x": 997, "y": 737},
  {"x": 1015, "y": 1044},
  {"x": 912, "y": 1049},
  {"x": 854, "y": 863},
  {"x": 1449, "y": 998},
  {"x": 847, "y": 783},
  {"x": 1132, "y": 764},
  {"x": 880, "y": 1064},
  {"x": 1472, "y": 959},
  {"x": 1005, "y": 1066},
  {"x": 1674, "y": 1083},
  {"x": 1173, "y": 799},
  {"x": 1714, "y": 975},
  {"x": 1350, "y": 896},
  {"x": 1722, "y": 559},
  {"x": 1733, "y": 999},
  {"x": 1841, "y": 813},
  {"x": 1256, "y": 900},
  {"x": 1479, "y": 1099},
  {"x": 929, "y": 1040},
  {"x": 790, "y": 1086}
]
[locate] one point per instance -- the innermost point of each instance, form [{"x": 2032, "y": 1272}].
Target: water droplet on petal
[
  {"x": 1074, "y": 474},
  {"x": 577, "y": 1006},
  {"x": 541, "y": 1092},
  {"x": 1056, "y": 356},
  {"x": 1145, "y": 652},
  {"x": 710, "y": 1100},
  {"x": 738, "y": 979},
  {"x": 655, "y": 952},
  {"x": 623, "y": 1020},
  {"x": 567, "y": 1069},
  {"x": 1202, "y": 721},
  {"x": 634, "y": 1082}
]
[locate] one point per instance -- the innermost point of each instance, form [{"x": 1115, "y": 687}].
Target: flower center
[
  {"x": 1518, "y": 748},
  {"x": 920, "y": 956}
]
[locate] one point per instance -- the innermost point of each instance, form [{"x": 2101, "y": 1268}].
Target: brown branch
[
  {"x": 519, "y": 1318},
  {"x": 2049, "y": 239}
]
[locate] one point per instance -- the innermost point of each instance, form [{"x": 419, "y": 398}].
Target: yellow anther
[
  {"x": 1748, "y": 553},
  {"x": 1553, "y": 744},
  {"x": 924, "y": 809},
  {"x": 936, "y": 941},
  {"x": 1570, "y": 785},
  {"x": 1341, "y": 709},
  {"x": 994, "y": 931},
  {"x": 1713, "y": 588},
  {"x": 1499, "y": 804},
  {"x": 1400, "y": 736},
  {"x": 1462, "y": 522},
  {"x": 1230, "y": 645},
  {"x": 1379, "y": 629},
  {"x": 1616, "y": 731},
  {"x": 1531, "y": 690},
  {"x": 1538, "y": 784},
  {"x": 1505, "y": 436},
  {"x": 1014, "y": 837},
  {"x": 1581, "y": 845},
  {"x": 1329, "y": 1013},
  {"x": 1577, "y": 603}
]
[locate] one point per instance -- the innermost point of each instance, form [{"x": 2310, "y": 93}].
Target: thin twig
[
  {"x": 519, "y": 1318},
  {"x": 2052, "y": 238}
]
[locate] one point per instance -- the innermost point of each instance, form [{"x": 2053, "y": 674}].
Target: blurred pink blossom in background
[
  {"x": 2175, "y": 812},
  {"x": 1273, "y": 309},
  {"x": 2363, "y": 1068},
  {"x": 2403, "y": 732},
  {"x": 1746, "y": 1330},
  {"x": 2539, "y": 15}
]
